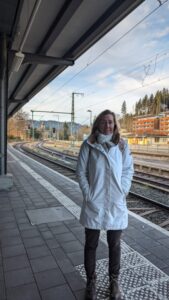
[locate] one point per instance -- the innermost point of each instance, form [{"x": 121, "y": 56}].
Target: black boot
[
  {"x": 91, "y": 288},
  {"x": 115, "y": 293}
]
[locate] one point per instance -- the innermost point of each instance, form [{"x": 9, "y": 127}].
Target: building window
[{"x": 156, "y": 139}]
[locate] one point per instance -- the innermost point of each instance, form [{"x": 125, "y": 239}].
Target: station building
[{"x": 150, "y": 129}]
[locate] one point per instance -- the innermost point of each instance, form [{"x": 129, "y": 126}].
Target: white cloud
[
  {"x": 127, "y": 71},
  {"x": 163, "y": 32},
  {"x": 104, "y": 73}
]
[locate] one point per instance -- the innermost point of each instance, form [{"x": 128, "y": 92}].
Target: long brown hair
[{"x": 95, "y": 128}]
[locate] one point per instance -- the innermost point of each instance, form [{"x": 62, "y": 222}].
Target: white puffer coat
[{"x": 105, "y": 180}]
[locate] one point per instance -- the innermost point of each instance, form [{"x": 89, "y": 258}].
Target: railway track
[
  {"x": 157, "y": 182},
  {"x": 154, "y": 181},
  {"x": 149, "y": 202}
]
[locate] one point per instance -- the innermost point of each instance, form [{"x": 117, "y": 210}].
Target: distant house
[{"x": 151, "y": 125}]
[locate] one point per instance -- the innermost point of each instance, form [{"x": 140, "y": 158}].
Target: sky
[{"x": 130, "y": 61}]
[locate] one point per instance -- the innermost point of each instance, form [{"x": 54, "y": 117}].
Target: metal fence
[{"x": 151, "y": 148}]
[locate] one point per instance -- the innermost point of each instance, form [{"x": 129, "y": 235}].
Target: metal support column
[
  {"x": 3, "y": 104},
  {"x": 6, "y": 180},
  {"x": 72, "y": 114}
]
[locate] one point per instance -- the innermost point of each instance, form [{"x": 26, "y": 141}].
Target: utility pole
[
  {"x": 73, "y": 113},
  {"x": 58, "y": 128},
  {"x": 90, "y": 111},
  {"x": 32, "y": 126}
]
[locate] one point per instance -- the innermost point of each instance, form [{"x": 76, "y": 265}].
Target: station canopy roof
[{"x": 45, "y": 37}]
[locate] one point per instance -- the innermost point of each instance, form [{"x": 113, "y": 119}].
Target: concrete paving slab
[
  {"x": 18, "y": 277},
  {"x": 29, "y": 290},
  {"x": 49, "y": 278},
  {"x": 60, "y": 292},
  {"x": 16, "y": 262},
  {"x": 43, "y": 263},
  {"x": 47, "y": 215},
  {"x": 6, "y": 182}
]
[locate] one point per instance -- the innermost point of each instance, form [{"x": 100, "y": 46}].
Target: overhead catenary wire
[
  {"x": 141, "y": 65},
  {"x": 112, "y": 45},
  {"x": 53, "y": 93},
  {"x": 104, "y": 51},
  {"x": 155, "y": 60},
  {"x": 105, "y": 100},
  {"x": 125, "y": 93}
]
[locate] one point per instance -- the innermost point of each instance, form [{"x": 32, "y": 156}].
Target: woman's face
[{"x": 107, "y": 124}]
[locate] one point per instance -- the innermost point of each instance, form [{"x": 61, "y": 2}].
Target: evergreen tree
[
  {"x": 124, "y": 108},
  {"x": 145, "y": 105},
  {"x": 150, "y": 104},
  {"x": 65, "y": 131},
  {"x": 136, "y": 109},
  {"x": 139, "y": 107},
  {"x": 154, "y": 104},
  {"x": 164, "y": 98},
  {"x": 157, "y": 103},
  {"x": 123, "y": 111}
]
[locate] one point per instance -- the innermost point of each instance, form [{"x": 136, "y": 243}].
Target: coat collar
[
  {"x": 98, "y": 147},
  {"x": 95, "y": 145}
]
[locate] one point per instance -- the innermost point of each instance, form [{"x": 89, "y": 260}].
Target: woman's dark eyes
[{"x": 104, "y": 123}]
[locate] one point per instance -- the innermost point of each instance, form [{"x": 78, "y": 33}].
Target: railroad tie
[
  {"x": 164, "y": 223},
  {"x": 140, "y": 208},
  {"x": 149, "y": 212}
]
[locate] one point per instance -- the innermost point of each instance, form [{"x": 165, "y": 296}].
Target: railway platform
[{"x": 41, "y": 242}]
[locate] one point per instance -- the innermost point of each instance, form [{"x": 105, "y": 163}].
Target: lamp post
[
  {"x": 32, "y": 126},
  {"x": 73, "y": 115},
  {"x": 90, "y": 111},
  {"x": 58, "y": 128}
]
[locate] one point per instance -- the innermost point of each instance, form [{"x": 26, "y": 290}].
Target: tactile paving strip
[
  {"x": 139, "y": 280},
  {"x": 161, "y": 288}
]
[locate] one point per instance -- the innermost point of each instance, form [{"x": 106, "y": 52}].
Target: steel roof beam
[
  {"x": 18, "y": 101},
  {"x": 14, "y": 110},
  {"x": 30, "y": 58},
  {"x": 68, "y": 9},
  {"x": 65, "y": 14},
  {"x": 16, "y": 21},
  {"x": 113, "y": 15},
  {"x": 43, "y": 82},
  {"x": 48, "y": 60},
  {"x": 90, "y": 37}
]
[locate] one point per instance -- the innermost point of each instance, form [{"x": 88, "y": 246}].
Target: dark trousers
[{"x": 91, "y": 243}]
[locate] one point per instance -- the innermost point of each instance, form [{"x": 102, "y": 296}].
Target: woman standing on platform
[{"x": 104, "y": 171}]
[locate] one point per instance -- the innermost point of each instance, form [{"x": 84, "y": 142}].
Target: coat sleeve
[
  {"x": 127, "y": 169},
  {"x": 82, "y": 169}
]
